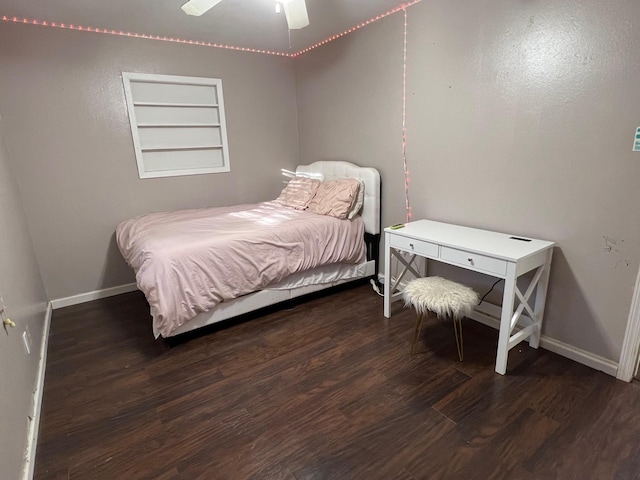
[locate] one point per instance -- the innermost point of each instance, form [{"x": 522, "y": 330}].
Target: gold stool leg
[
  {"x": 457, "y": 328},
  {"x": 416, "y": 331}
]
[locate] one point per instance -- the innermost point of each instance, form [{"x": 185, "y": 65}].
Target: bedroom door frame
[{"x": 630, "y": 353}]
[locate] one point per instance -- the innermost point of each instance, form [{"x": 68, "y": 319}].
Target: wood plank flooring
[{"x": 325, "y": 389}]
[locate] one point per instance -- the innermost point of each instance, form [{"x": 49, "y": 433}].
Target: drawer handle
[
  {"x": 470, "y": 260},
  {"x": 411, "y": 245}
]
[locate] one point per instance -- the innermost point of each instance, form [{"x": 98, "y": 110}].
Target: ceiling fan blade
[
  {"x": 296, "y": 13},
  {"x": 198, "y": 7}
]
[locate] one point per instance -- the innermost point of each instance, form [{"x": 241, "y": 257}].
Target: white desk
[{"x": 491, "y": 253}]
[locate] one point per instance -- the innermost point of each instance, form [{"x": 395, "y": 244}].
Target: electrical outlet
[{"x": 27, "y": 342}]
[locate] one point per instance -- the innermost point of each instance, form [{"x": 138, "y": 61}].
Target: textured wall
[
  {"x": 68, "y": 132},
  {"x": 25, "y": 301},
  {"x": 520, "y": 119}
]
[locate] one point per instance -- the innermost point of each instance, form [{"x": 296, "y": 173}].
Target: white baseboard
[
  {"x": 631, "y": 343},
  {"x": 488, "y": 314},
  {"x": 581, "y": 356},
  {"x": 34, "y": 425},
  {"x": 90, "y": 296}
]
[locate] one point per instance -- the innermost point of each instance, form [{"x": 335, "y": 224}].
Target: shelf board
[
  {"x": 173, "y": 149},
  {"x": 177, "y": 125},
  {"x": 163, "y": 104}
]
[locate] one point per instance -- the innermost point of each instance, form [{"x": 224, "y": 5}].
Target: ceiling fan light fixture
[
  {"x": 296, "y": 13},
  {"x": 198, "y": 7},
  {"x": 294, "y": 10}
]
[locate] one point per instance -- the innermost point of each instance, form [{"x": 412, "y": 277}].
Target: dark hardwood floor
[{"x": 324, "y": 390}]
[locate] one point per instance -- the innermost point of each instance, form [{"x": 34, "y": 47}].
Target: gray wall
[
  {"x": 520, "y": 119},
  {"x": 68, "y": 131},
  {"x": 25, "y": 302}
]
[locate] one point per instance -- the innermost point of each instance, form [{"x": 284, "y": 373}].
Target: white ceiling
[{"x": 241, "y": 23}]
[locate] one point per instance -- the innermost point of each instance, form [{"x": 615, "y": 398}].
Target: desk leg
[
  {"x": 387, "y": 275},
  {"x": 508, "y": 301},
  {"x": 541, "y": 299}
]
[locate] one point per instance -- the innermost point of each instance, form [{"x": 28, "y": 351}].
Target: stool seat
[
  {"x": 440, "y": 296},
  {"x": 445, "y": 298}
]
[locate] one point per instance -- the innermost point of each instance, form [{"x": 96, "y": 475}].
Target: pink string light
[
  {"x": 44, "y": 23},
  {"x": 404, "y": 119},
  {"x": 402, "y": 7}
]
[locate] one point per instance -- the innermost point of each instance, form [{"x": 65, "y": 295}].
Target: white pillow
[
  {"x": 312, "y": 175},
  {"x": 358, "y": 201}
]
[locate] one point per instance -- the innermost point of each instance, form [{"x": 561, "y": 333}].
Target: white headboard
[{"x": 370, "y": 176}]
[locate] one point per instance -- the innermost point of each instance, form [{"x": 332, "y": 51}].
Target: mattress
[
  {"x": 189, "y": 261},
  {"x": 325, "y": 274}
]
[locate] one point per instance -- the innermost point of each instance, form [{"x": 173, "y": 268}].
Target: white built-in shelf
[{"x": 177, "y": 124}]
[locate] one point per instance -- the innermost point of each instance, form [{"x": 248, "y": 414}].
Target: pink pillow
[
  {"x": 335, "y": 197},
  {"x": 298, "y": 192}
]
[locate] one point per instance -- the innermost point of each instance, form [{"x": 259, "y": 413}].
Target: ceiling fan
[{"x": 294, "y": 10}]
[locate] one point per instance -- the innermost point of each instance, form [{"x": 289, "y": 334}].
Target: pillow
[
  {"x": 314, "y": 175},
  {"x": 357, "y": 202},
  {"x": 291, "y": 174},
  {"x": 298, "y": 192},
  {"x": 335, "y": 197}
]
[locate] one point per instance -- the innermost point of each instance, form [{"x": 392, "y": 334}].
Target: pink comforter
[{"x": 189, "y": 261}]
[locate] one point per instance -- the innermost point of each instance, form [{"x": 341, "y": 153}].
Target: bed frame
[{"x": 264, "y": 298}]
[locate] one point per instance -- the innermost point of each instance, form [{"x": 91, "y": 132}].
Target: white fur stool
[{"x": 442, "y": 297}]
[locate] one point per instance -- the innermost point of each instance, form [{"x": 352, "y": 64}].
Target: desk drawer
[
  {"x": 474, "y": 261},
  {"x": 412, "y": 245}
]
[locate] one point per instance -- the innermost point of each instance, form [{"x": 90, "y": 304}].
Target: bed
[{"x": 202, "y": 266}]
